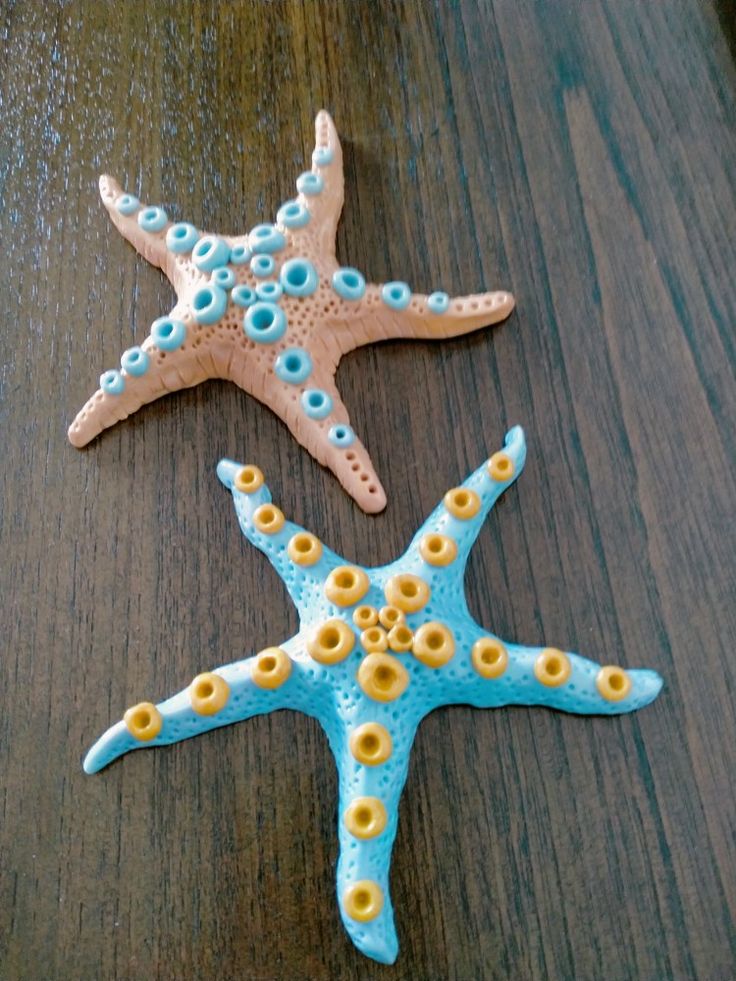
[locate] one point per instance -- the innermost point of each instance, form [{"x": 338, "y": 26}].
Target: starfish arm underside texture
[
  {"x": 272, "y": 311},
  {"x": 377, "y": 649}
]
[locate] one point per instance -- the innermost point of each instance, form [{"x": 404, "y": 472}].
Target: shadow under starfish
[
  {"x": 377, "y": 650},
  {"x": 272, "y": 311}
]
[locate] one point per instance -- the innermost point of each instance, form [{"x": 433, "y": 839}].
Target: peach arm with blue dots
[{"x": 377, "y": 649}]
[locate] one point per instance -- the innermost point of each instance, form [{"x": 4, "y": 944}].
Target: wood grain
[{"x": 579, "y": 154}]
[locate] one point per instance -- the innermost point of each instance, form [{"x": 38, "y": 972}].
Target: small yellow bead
[
  {"x": 490, "y": 658},
  {"x": 365, "y": 817},
  {"x": 613, "y": 683},
  {"x": 438, "y": 549},
  {"x": 143, "y": 721},
  {"x": 208, "y": 693},
  {"x": 382, "y": 677},
  {"x": 363, "y": 901},
  {"x": 304, "y": 548},
  {"x": 408, "y": 592},
  {"x": 552, "y": 667},
  {"x": 365, "y": 616},
  {"x": 268, "y": 518},
  {"x": 462, "y": 503},
  {"x": 331, "y": 642},
  {"x": 500, "y": 467},
  {"x": 374, "y": 639},
  {"x": 434, "y": 644},
  {"x": 400, "y": 638},
  {"x": 371, "y": 744},
  {"x": 272, "y": 668},
  {"x": 249, "y": 479},
  {"x": 346, "y": 585},
  {"x": 389, "y": 616}
]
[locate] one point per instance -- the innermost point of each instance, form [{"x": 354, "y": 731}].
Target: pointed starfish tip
[{"x": 226, "y": 471}]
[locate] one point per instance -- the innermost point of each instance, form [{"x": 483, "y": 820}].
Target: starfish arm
[
  {"x": 323, "y": 193},
  {"x": 175, "y": 719}
]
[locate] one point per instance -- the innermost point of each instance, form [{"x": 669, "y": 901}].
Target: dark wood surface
[{"x": 583, "y": 156}]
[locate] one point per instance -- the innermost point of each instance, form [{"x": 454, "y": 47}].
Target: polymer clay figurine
[
  {"x": 377, "y": 650},
  {"x": 274, "y": 312}
]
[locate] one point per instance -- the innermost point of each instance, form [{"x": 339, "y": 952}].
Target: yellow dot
[
  {"x": 434, "y": 644},
  {"x": 408, "y": 592},
  {"x": 371, "y": 743},
  {"x": 365, "y": 616},
  {"x": 382, "y": 677},
  {"x": 462, "y": 503},
  {"x": 143, "y": 721},
  {"x": 389, "y": 616},
  {"x": 248, "y": 479},
  {"x": 400, "y": 638},
  {"x": 365, "y": 817},
  {"x": 268, "y": 518},
  {"x": 500, "y": 467},
  {"x": 272, "y": 668},
  {"x": 437, "y": 549},
  {"x": 304, "y": 548},
  {"x": 346, "y": 585},
  {"x": 490, "y": 658},
  {"x": 374, "y": 639},
  {"x": 208, "y": 693},
  {"x": 552, "y": 667},
  {"x": 331, "y": 642},
  {"x": 613, "y": 683},
  {"x": 363, "y": 901}
]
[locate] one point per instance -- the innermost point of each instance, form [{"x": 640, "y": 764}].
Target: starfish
[
  {"x": 377, "y": 650},
  {"x": 274, "y": 312}
]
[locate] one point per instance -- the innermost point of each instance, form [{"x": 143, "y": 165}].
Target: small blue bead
[
  {"x": 322, "y": 156},
  {"x": 348, "y": 283},
  {"x": 264, "y": 322},
  {"x": 293, "y": 214},
  {"x": 168, "y": 334},
  {"x": 152, "y": 219},
  {"x": 309, "y": 183},
  {"x": 341, "y": 435},
  {"x": 127, "y": 204},
  {"x": 270, "y": 290},
  {"x": 242, "y": 295},
  {"x": 209, "y": 303},
  {"x": 396, "y": 295},
  {"x": 181, "y": 237},
  {"x": 299, "y": 277},
  {"x": 316, "y": 403},
  {"x": 112, "y": 382},
  {"x": 262, "y": 265},
  {"x": 438, "y": 302},
  {"x": 210, "y": 252},
  {"x": 266, "y": 238},
  {"x": 135, "y": 361},
  {"x": 223, "y": 277},
  {"x": 293, "y": 365},
  {"x": 240, "y": 254}
]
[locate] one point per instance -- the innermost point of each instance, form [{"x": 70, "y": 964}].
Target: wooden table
[{"x": 579, "y": 154}]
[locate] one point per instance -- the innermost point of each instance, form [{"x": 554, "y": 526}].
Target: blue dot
[
  {"x": 341, "y": 435},
  {"x": 112, "y": 382},
  {"x": 242, "y": 295},
  {"x": 210, "y": 252},
  {"x": 322, "y": 156},
  {"x": 299, "y": 277},
  {"x": 396, "y": 295},
  {"x": 266, "y": 238},
  {"x": 293, "y": 214},
  {"x": 293, "y": 365},
  {"x": 264, "y": 322},
  {"x": 223, "y": 277},
  {"x": 316, "y": 403},
  {"x": 262, "y": 265},
  {"x": 269, "y": 290},
  {"x": 348, "y": 283},
  {"x": 181, "y": 237},
  {"x": 135, "y": 361},
  {"x": 209, "y": 304},
  {"x": 168, "y": 334},
  {"x": 309, "y": 183},
  {"x": 127, "y": 204},
  {"x": 152, "y": 219},
  {"x": 438, "y": 302},
  {"x": 240, "y": 254}
]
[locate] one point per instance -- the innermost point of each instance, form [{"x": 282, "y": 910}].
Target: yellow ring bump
[
  {"x": 374, "y": 639},
  {"x": 143, "y": 721},
  {"x": 500, "y": 467},
  {"x": 437, "y": 549},
  {"x": 346, "y": 585},
  {"x": 408, "y": 592},
  {"x": 552, "y": 667},
  {"x": 382, "y": 677},
  {"x": 208, "y": 693},
  {"x": 304, "y": 548},
  {"x": 365, "y": 616},
  {"x": 272, "y": 668},
  {"x": 613, "y": 683},
  {"x": 371, "y": 743},
  {"x": 462, "y": 503},
  {"x": 489, "y": 656},
  {"x": 363, "y": 901},
  {"x": 434, "y": 644},
  {"x": 400, "y": 638},
  {"x": 331, "y": 642},
  {"x": 365, "y": 817},
  {"x": 389, "y": 616},
  {"x": 249, "y": 479},
  {"x": 268, "y": 519}
]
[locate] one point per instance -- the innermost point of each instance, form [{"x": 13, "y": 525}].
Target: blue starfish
[{"x": 377, "y": 650}]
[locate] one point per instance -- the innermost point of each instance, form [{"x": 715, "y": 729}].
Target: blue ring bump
[
  {"x": 341, "y": 435},
  {"x": 262, "y": 265},
  {"x": 242, "y": 295},
  {"x": 127, "y": 204},
  {"x": 293, "y": 214},
  {"x": 309, "y": 183},
  {"x": 181, "y": 237},
  {"x": 152, "y": 218},
  {"x": 264, "y": 322},
  {"x": 209, "y": 304},
  {"x": 293, "y": 365},
  {"x": 210, "y": 252},
  {"x": 299, "y": 277},
  {"x": 266, "y": 238},
  {"x": 112, "y": 382},
  {"x": 348, "y": 283},
  {"x": 240, "y": 254},
  {"x": 223, "y": 277},
  {"x": 269, "y": 290},
  {"x": 168, "y": 334},
  {"x": 322, "y": 155},
  {"x": 316, "y": 403},
  {"x": 396, "y": 295},
  {"x": 135, "y": 361},
  {"x": 438, "y": 302}
]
